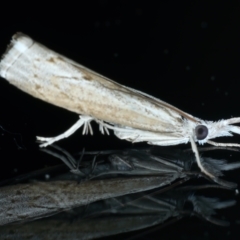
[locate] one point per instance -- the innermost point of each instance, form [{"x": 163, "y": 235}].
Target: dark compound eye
[{"x": 201, "y": 132}]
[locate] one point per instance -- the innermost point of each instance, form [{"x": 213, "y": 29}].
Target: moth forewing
[
  {"x": 54, "y": 78},
  {"x": 131, "y": 114}
]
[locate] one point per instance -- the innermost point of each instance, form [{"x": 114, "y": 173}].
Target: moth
[
  {"x": 132, "y": 115},
  {"x": 125, "y": 178}
]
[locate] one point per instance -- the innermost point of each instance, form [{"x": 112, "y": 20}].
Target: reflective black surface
[{"x": 183, "y": 52}]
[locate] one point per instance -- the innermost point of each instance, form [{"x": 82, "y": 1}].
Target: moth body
[{"x": 131, "y": 114}]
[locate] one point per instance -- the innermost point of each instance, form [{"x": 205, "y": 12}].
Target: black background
[{"x": 186, "y": 53}]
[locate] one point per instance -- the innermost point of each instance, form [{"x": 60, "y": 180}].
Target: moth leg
[
  {"x": 199, "y": 163},
  {"x": 223, "y": 144},
  {"x": 83, "y": 121},
  {"x": 103, "y": 127}
]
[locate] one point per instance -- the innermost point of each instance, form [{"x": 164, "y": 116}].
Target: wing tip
[{"x": 18, "y": 45}]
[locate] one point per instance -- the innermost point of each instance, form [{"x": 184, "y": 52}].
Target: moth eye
[{"x": 201, "y": 132}]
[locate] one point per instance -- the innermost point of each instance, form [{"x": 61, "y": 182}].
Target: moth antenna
[{"x": 223, "y": 144}]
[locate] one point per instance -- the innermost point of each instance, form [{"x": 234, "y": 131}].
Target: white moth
[{"x": 131, "y": 114}]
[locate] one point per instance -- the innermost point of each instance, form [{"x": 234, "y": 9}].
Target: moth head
[{"x": 206, "y": 130}]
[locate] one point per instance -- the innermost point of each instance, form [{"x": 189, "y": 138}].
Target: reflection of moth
[
  {"x": 120, "y": 215},
  {"x": 131, "y": 114},
  {"x": 145, "y": 162},
  {"x": 23, "y": 202},
  {"x": 129, "y": 173}
]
